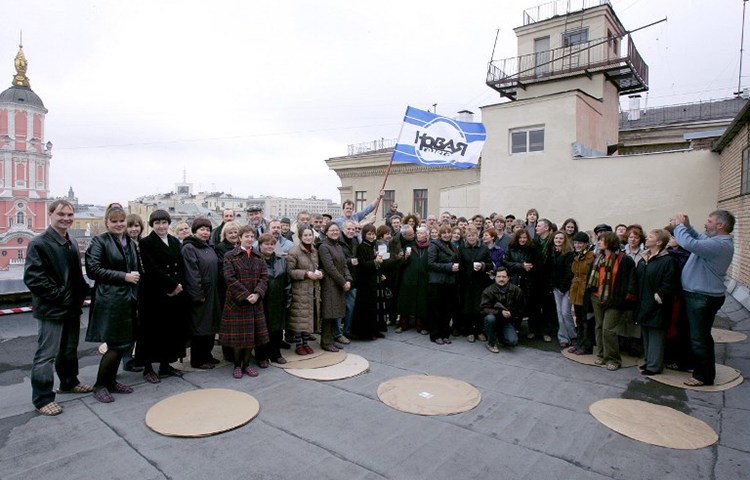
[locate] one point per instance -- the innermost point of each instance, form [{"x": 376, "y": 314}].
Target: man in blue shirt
[
  {"x": 349, "y": 213},
  {"x": 703, "y": 284}
]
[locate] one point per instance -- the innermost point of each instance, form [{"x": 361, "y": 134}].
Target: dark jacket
[
  {"x": 412, "y": 291},
  {"x": 365, "y": 308},
  {"x": 350, "y": 246},
  {"x": 623, "y": 294},
  {"x": 440, "y": 259},
  {"x": 514, "y": 259},
  {"x": 562, "y": 270},
  {"x": 335, "y": 275},
  {"x": 161, "y": 318},
  {"x": 278, "y": 296},
  {"x": 656, "y": 276},
  {"x": 202, "y": 286},
  {"x": 53, "y": 275},
  {"x": 113, "y": 302},
  {"x": 494, "y": 301},
  {"x": 471, "y": 282}
]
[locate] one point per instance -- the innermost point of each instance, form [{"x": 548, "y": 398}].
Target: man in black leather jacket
[{"x": 54, "y": 277}]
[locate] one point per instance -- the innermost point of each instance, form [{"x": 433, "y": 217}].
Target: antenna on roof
[{"x": 742, "y": 47}]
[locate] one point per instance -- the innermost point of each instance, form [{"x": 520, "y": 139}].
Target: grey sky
[{"x": 251, "y": 97}]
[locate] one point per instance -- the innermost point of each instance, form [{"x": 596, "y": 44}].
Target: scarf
[
  {"x": 604, "y": 288},
  {"x": 422, "y": 243},
  {"x": 307, "y": 247}
]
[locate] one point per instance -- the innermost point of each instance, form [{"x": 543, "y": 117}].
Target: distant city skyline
[{"x": 251, "y": 98}]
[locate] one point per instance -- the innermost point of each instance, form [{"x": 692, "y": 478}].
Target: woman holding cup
[{"x": 443, "y": 267}]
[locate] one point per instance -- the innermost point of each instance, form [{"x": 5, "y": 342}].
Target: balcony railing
[
  {"x": 629, "y": 72},
  {"x": 371, "y": 147},
  {"x": 558, "y": 7}
]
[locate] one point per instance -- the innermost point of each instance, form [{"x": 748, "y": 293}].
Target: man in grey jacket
[
  {"x": 53, "y": 275},
  {"x": 703, "y": 284}
]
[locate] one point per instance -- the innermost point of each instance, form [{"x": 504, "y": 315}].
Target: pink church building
[{"x": 24, "y": 167}]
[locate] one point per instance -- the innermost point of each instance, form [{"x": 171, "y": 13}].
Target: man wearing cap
[
  {"x": 349, "y": 214},
  {"x": 703, "y": 285},
  {"x": 255, "y": 213}
]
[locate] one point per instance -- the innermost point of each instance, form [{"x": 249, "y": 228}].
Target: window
[
  {"x": 745, "y": 181},
  {"x": 360, "y": 200},
  {"x": 19, "y": 218},
  {"x": 527, "y": 140},
  {"x": 420, "y": 202},
  {"x": 388, "y": 199},
  {"x": 20, "y": 254},
  {"x": 575, "y": 37}
]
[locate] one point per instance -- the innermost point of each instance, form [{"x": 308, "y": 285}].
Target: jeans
[
  {"x": 57, "y": 349},
  {"x": 566, "y": 331},
  {"x": 351, "y": 297},
  {"x": 506, "y": 330},
  {"x": 701, "y": 310}
]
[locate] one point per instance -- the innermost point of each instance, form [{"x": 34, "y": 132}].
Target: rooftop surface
[{"x": 532, "y": 422}]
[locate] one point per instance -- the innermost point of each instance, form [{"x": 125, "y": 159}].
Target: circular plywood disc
[
  {"x": 727, "y": 336},
  {"x": 653, "y": 424},
  {"x": 326, "y": 359},
  {"x": 185, "y": 364},
  {"x": 292, "y": 356},
  {"x": 429, "y": 395},
  {"x": 352, "y": 366},
  {"x": 726, "y": 378},
  {"x": 627, "y": 361},
  {"x": 194, "y": 414}
]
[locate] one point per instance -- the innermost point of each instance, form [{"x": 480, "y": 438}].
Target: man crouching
[{"x": 502, "y": 304}]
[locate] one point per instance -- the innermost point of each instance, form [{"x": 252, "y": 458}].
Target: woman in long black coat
[
  {"x": 474, "y": 263},
  {"x": 202, "y": 288},
  {"x": 442, "y": 265},
  {"x": 369, "y": 263},
  {"x": 657, "y": 283},
  {"x": 162, "y": 318},
  {"x": 412, "y": 293},
  {"x": 520, "y": 260},
  {"x": 112, "y": 262}
]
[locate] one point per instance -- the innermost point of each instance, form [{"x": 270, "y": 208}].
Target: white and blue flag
[{"x": 433, "y": 141}]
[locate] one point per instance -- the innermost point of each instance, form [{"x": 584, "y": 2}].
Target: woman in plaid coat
[{"x": 243, "y": 324}]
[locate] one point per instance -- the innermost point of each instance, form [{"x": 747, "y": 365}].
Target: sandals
[
  {"x": 251, "y": 372},
  {"x": 151, "y": 377},
  {"x": 694, "y": 382},
  {"x": 80, "y": 388},
  {"x": 104, "y": 396},
  {"x": 121, "y": 388},
  {"x": 237, "y": 372},
  {"x": 50, "y": 410}
]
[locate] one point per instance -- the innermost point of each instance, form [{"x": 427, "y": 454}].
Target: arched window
[{"x": 19, "y": 218}]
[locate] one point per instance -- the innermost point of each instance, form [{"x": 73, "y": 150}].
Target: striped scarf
[{"x": 604, "y": 288}]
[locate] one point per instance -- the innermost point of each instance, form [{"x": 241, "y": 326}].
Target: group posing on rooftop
[{"x": 269, "y": 286}]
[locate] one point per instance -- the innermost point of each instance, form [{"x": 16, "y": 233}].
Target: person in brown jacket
[
  {"x": 582, "y": 260},
  {"x": 337, "y": 281}
]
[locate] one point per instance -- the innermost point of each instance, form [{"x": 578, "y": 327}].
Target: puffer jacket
[{"x": 305, "y": 291}]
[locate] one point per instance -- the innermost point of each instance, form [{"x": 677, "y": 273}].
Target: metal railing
[
  {"x": 593, "y": 55},
  {"x": 724, "y": 109},
  {"x": 370, "y": 147},
  {"x": 558, "y": 7}
]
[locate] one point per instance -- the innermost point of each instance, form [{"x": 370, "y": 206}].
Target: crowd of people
[{"x": 273, "y": 285}]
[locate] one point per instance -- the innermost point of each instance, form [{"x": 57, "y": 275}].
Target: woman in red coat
[{"x": 243, "y": 323}]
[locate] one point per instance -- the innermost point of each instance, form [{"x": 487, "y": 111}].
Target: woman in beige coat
[{"x": 304, "y": 313}]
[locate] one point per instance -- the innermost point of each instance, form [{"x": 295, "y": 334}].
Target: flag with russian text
[{"x": 431, "y": 140}]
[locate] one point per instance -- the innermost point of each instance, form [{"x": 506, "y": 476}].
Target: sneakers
[
  {"x": 547, "y": 338},
  {"x": 439, "y": 341},
  {"x": 471, "y": 339},
  {"x": 482, "y": 337},
  {"x": 343, "y": 339},
  {"x": 493, "y": 348}
]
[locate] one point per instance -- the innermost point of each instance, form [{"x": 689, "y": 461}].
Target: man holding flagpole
[{"x": 349, "y": 214}]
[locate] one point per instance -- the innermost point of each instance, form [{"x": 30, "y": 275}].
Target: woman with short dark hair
[
  {"x": 442, "y": 265},
  {"x": 520, "y": 260},
  {"x": 369, "y": 264},
  {"x": 612, "y": 286},
  {"x": 162, "y": 323},
  {"x": 275, "y": 301},
  {"x": 336, "y": 283},
  {"x": 202, "y": 287}
]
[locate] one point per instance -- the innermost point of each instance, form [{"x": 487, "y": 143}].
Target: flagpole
[{"x": 390, "y": 163}]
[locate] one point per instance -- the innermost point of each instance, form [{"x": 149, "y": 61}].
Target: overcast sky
[{"x": 251, "y": 97}]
